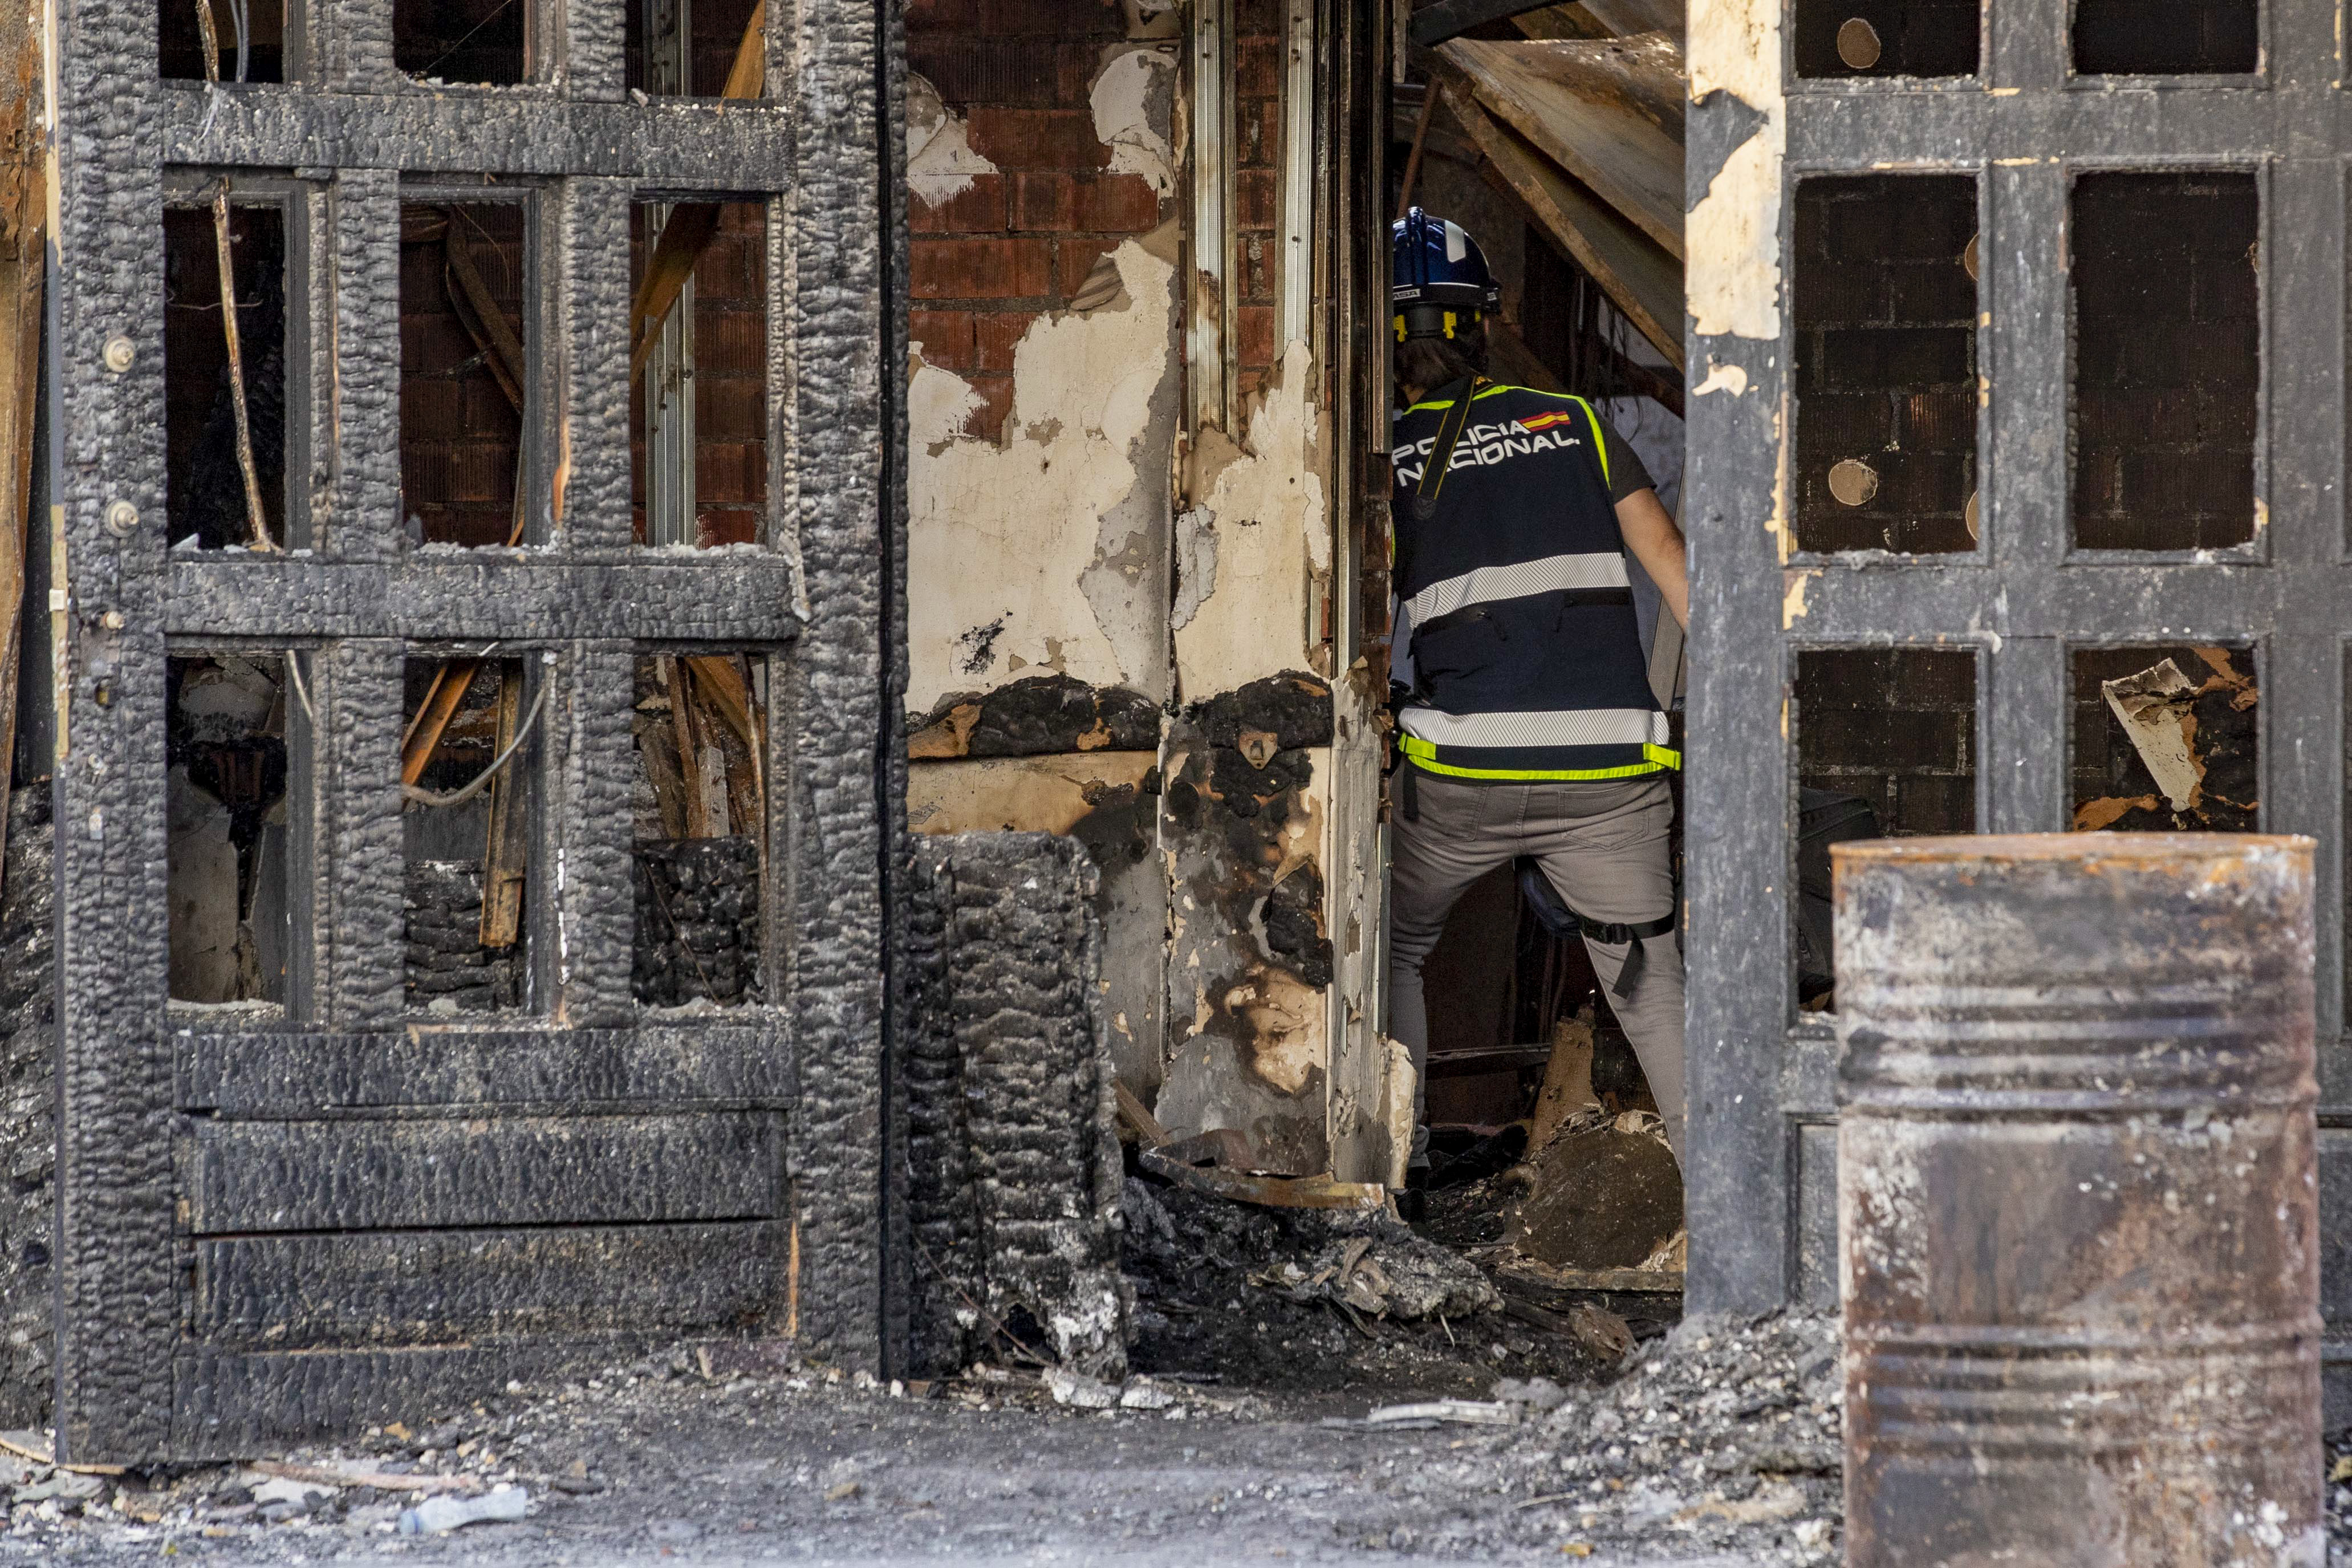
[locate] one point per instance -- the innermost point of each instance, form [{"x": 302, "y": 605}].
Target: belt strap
[{"x": 1618, "y": 933}]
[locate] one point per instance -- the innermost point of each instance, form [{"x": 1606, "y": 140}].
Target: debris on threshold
[
  {"x": 1724, "y": 1433},
  {"x": 1320, "y": 1302},
  {"x": 437, "y": 1514},
  {"x": 1429, "y": 1415}
]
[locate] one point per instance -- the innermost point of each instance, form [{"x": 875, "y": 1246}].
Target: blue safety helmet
[{"x": 1438, "y": 280}]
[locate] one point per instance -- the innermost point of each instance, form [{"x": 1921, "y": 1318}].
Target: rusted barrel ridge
[{"x": 2077, "y": 1206}]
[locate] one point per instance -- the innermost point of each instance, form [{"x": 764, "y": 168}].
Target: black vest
[{"x": 1526, "y": 659}]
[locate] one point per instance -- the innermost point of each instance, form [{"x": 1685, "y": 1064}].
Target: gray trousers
[{"x": 1602, "y": 843}]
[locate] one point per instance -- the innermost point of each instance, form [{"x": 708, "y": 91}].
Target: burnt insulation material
[
  {"x": 28, "y": 1089},
  {"x": 1043, "y": 715},
  {"x": 1014, "y": 1161}
]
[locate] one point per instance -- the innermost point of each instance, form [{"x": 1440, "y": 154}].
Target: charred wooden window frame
[
  {"x": 141, "y": 1093},
  {"x": 301, "y": 206},
  {"x": 541, "y": 423},
  {"x": 1762, "y": 1102}
]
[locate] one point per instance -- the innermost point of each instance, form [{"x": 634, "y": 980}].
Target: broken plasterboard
[{"x": 2153, "y": 708}]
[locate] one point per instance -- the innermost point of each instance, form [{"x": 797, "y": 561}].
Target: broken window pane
[
  {"x": 210, "y": 495},
  {"x": 249, "y": 40},
  {"x": 698, "y": 392},
  {"x": 469, "y": 836},
  {"x": 2167, "y": 38},
  {"x": 690, "y": 47},
  {"x": 1886, "y": 744},
  {"x": 1844, "y": 39},
  {"x": 1884, "y": 292},
  {"x": 464, "y": 379},
  {"x": 481, "y": 42},
  {"x": 2166, "y": 738},
  {"x": 225, "y": 752},
  {"x": 701, "y": 807},
  {"x": 2167, "y": 360}
]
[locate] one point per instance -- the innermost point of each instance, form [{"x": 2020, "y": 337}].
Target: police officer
[{"x": 1525, "y": 722}]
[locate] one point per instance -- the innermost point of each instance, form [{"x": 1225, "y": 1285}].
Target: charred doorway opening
[{"x": 235, "y": 431}]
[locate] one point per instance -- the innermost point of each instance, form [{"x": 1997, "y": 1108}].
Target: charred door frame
[
  {"x": 1761, "y": 1078},
  {"x": 139, "y": 1086}
]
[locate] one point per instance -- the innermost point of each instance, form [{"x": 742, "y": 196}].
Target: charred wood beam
[{"x": 457, "y": 600}]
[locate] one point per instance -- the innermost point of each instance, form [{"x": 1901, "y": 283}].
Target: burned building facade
[{"x": 557, "y": 517}]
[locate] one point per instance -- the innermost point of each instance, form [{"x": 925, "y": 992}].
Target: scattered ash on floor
[
  {"x": 1283, "y": 1300},
  {"x": 1723, "y": 1436}
]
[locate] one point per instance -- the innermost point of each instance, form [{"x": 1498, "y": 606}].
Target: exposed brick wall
[
  {"x": 1896, "y": 726},
  {"x": 1885, "y": 318},
  {"x": 2167, "y": 359},
  {"x": 458, "y": 433},
  {"x": 1258, "y": 200},
  {"x": 730, "y": 332},
  {"x": 1019, "y": 242}
]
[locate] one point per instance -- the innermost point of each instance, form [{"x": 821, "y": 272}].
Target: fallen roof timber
[
  {"x": 1607, "y": 111},
  {"x": 1638, "y": 275}
]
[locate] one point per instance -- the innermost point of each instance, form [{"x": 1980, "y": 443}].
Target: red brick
[
  {"x": 1042, "y": 201},
  {"x": 987, "y": 422},
  {"x": 729, "y": 471},
  {"x": 980, "y": 269},
  {"x": 729, "y": 408},
  {"x": 997, "y": 334},
  {"x": 1256, "y": 333},
  {"x": 978, "y": 210},
  {"x": 1255, "y": 204},
  {"x": 719, "y": 526},
  {"x": 1257, "y": 132},
  {"x": 1038, "y": 138},
  {"x": 1078, "y": 257},
  {"x": 482, "y": 472},
  {"x": 1115, "y": 203},
  {"x": 945, "y": 337}
]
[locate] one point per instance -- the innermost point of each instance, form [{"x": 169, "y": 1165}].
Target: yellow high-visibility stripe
[{"x": 1655, "y": 759}]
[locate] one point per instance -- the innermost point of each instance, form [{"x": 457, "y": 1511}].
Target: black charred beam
[{"x": 1433, "y": 25}]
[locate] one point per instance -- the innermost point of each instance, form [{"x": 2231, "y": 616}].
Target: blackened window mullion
[{"x": 361, "y": 365}]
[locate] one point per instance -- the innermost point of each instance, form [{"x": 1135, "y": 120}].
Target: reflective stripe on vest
[{"x": 1526, "y": 663}]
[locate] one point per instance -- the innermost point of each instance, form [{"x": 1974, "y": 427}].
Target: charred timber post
[{"x": 2077, "y": 1205}]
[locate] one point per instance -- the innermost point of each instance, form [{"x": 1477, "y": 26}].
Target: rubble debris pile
[
  {"x": 27, "y": 1109},
  {"x": 697, "y": 904},
  {"x": 1320, "y": 1301},
  {"x": 1012, "y": 1147},
  {"x": 449, "y": 970},
  {"x": 1724, "y": 1435}
]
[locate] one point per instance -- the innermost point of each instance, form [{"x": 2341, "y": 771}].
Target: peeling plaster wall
[
  {"x": 1257, "y": 544},
  {"x": 1047, "y": 552}
]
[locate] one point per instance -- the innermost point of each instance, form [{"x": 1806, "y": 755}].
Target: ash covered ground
[{"x": 1239, "y": 1439}]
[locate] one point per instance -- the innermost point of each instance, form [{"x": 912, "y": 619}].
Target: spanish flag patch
[{"x": 1545, "y": 421}]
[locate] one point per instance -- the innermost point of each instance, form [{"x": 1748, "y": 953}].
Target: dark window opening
[
  {"x": 691, "y": 48},
  {"x": 1884, "y": 294},
  {"x": 2167, "y": 38},
  {"x": 224, "y": 754},
  {"x": 1847, "y": 38},
  {"x": 209, "y": 497},
  {"x": 2167, "y": 740},
  {"x": 465, "y": 374},
  {"x": 2167, "y": 360},
  {"x": 477, "y": 42},
  {"x": 249, "y": 40},
  {"x": 700, "y": 811},
  {"x": 698, "y": 394},
  {"x": 468, "y": 836},
  {"x": 1886, "y": 746}
]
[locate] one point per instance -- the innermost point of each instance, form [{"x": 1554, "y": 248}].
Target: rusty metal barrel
[{"x": 2077, "y": 1205}]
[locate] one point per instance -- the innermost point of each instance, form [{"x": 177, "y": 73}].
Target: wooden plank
[
  {"x": 1609, "y": 113},
  {"x": 1639, "y": 277},
  {"x": 409, "y": 1288},
  {"x": 247, "y": 1176},
  {"x": 1627, "y": 18},
  {"x": 292, "y": 1075},
  {"x": 23, "y": 198},
  {"x": 506, "y": 856}
]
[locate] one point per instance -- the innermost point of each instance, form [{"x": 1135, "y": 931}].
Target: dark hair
[{"x": 1431, "y": 362}]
